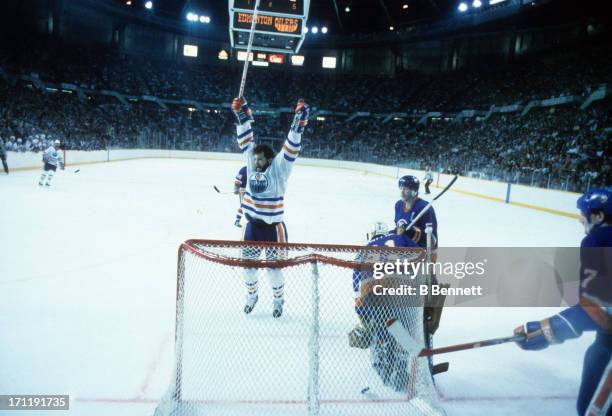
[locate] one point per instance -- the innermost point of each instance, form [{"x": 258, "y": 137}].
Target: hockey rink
[{"x": 88, "y": 282}]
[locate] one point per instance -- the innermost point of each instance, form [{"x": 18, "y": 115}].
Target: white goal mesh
[{"x": 230, "y": 363}]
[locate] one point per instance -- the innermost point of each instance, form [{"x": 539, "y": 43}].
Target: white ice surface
[{"x": 88, "y": 280}]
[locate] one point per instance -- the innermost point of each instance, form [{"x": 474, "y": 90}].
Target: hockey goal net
[{"x": 230, "y": 363}]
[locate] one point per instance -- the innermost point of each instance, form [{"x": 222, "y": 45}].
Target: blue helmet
[
  {"x": 597, "y": 199},
  {"x": 410, "y": 182}
]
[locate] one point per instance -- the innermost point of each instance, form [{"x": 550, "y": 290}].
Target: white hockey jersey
[
  {"x": 265, "y": 191},
  {"x": 53, "y": 157}
]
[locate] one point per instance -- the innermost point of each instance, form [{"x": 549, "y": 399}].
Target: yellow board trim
[{"x": 518, "y": 204}]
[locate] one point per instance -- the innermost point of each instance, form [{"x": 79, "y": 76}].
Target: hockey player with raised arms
[
  {"x": 408, "y": 207},
  {"x": 52, "y": 157},
  {"x": 594, "y": 310},
  {"x": 263, "y": 200}
]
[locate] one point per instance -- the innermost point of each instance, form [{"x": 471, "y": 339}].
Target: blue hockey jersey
[{"x": 405, "y": 214}]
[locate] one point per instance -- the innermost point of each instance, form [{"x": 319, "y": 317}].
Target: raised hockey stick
[
  {"x": 401, "y": 335},
  {"x": 249, "y": 48},
  {"x": 428, "y": 206}
]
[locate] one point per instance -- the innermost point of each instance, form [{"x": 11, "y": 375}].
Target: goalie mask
[{"x": 378, "y": 229}]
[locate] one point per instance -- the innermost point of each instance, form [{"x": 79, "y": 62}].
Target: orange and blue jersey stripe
[{"x": 291, "y": 150}]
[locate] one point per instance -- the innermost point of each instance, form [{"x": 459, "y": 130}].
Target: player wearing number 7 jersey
[
  {"x": 263, "y": 200},
  {"x": 593, "y": 312}
]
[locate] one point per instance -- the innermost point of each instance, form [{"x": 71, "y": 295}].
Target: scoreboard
[
  {"x": 274, "y": 24},
  {"x": 294, "y": 7},
  {"x": 280, "y": 25}
]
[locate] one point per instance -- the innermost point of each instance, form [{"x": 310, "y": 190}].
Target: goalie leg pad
[{"x": 391, "y": 364}]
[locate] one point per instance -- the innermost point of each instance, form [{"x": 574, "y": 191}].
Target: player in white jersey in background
[
  {"x": 263, "y": 200},
  {"x": 52, "y": 157}
]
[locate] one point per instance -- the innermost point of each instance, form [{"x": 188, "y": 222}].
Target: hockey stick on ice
[
  {"x": 401, "y": 335},
  {"x": 222, "y": 192},
  {"x": 369, "y": 394},
  {"x": 472, "y": 345},
  {"x": 428, "y": 206}
]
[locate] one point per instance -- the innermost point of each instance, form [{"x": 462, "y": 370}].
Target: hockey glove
[
  {"x": 300, "y": 120},
  {"x": 241, "y": 110},
  {"x": 414, "y": 233},
  {"x": 359, "y": 337},
  {"x": 568, "y": 324}
]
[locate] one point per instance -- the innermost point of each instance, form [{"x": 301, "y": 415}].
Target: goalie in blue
[
  {"x": 594, "y": 310},
  {"x": 373, "y": 311}
]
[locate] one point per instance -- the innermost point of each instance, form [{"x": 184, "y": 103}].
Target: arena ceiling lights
[
  {"x": 194, "y": 17},
  {"x": 476, "y": 4}
]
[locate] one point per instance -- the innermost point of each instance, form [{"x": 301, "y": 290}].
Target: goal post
[{"x": 228, "y": 363}]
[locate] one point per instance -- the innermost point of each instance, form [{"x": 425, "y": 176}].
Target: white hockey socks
[
  {"x": 277, "y": 282},
  {"x": 250, "y": 280},
  {"x": 49, "y": 177}
]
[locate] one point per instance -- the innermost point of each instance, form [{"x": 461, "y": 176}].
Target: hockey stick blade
[
  {"x": 76, "y": 171},
  {"x": 403, "y": 338},
  {"x": 440, "y": 368}
]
